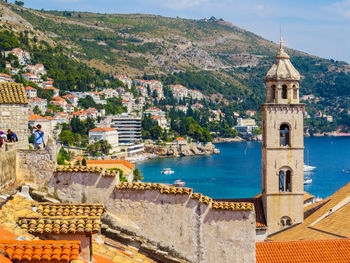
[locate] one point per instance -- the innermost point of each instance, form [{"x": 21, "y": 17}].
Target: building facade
[
  {"x": 108, "y": 134},
  {"x": 282, "y": 146},
  {"x": 129, "y": 128}
]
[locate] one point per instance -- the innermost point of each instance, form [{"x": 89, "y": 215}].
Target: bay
[{"x": 236, "y": 172}]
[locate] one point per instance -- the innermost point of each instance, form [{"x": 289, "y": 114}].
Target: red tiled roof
[
  {"x": 4, "y": 234},
  {"x": 123, "y": 162},
  {"x": 29, "y": 88},
  {"x": 36, "y": 251},
  {"x": 102, "y": 129},
  {"x": 4, "y": 259},
  {"x": 310, "y": 251}
]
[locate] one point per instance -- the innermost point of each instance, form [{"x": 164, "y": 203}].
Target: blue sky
[{"x": 318, "y": 27}]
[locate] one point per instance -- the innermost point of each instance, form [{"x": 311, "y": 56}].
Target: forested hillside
[{"x": 81, "y": 50}]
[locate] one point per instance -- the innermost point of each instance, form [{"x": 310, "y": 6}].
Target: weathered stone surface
[
  {"x": 8, "y": 169},
  {"x": 181, "y": 150}
]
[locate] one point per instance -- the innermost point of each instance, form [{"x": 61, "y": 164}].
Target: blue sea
[{"x": 236, "y": 172}]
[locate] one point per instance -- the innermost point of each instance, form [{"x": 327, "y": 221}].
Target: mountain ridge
[{"x": 139, "y": 44}]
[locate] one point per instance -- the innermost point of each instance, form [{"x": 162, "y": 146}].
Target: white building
[
  {"x": 30, "y": 77},
  {"x": 129, "y": 128},
  {"x": 246, "y": 126},
  {"x": 108, "y": 134},
  {"x": 41, "y": 103},
  {"x": 72, "y": 99},
  {"x": 5, "y": 78},
  {"x": 30, "y": 92}
]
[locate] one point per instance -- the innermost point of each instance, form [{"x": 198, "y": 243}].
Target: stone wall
[
  {"x": 82, "y": 187},
  {"x": 187, "y": 226},
  {"x": 37, "y": 166},
  {"x": 8, "y": 168},
  {"x": 15, "y": 117}
]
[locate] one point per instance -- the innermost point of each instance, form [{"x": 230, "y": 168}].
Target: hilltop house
[{"x": 30, "y": 92}]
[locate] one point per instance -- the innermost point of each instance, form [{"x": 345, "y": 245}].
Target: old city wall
[
  {"x": 80, "y": 187},
  {"x": 183, "y": 224},
  {"x": 37, "y": 166},
  {"x": 8, "y": 168}
]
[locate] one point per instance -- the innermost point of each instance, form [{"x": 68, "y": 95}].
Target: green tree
[
  {"x": 19, "y": 3},
  {"x": 36, "y": 110},
  {"x": 67, "y": 137},
  {"x": 83, "y": 163},
  {"x": 156, "y": 132}
]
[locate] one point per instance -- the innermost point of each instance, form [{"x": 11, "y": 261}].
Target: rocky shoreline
[
  {"x": 177, "y": 150},
  {"x": 224, "y": 140}
]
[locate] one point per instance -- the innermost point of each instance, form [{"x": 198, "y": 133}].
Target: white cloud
[{"x": 342, "y": 8}]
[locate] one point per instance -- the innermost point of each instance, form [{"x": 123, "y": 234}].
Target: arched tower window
[
  {"x": 273, "y": 92},
  {"x": 284, "y": 135},
  {"x": 284, "y": 92},
  {"x": 285, "y": 180}
]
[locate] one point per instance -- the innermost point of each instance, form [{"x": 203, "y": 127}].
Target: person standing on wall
[{"x": 38, "y": 137}]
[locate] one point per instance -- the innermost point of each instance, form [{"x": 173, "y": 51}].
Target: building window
[
  {"x": 285, "y": 180},
  {"x": 273, "y": 92},
  {"x": 284, "y": 135},
  {"x": 285, "y": 221},
  {"x": 284, "y": 92}
]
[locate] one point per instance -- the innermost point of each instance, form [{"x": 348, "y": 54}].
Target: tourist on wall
[
  {"x": 11, "y": 136},
  {"x": 38, "y": 137}
]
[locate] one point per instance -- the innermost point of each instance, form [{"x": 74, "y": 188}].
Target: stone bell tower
[{"x": 282, "y": 146}]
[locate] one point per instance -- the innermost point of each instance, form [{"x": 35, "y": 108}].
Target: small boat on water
[
  {"x": 308, "y": 168},
  {"x": 307, "y": 181},
  {"x": 167, "y": 171},
  {"x": 179, "y": 183}
]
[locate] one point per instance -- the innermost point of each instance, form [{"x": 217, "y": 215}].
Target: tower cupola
[{"x": 282, "y": 80}]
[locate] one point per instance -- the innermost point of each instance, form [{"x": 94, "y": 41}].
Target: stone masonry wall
[
  {"x": 8, "y": 161},
  {"x": 15, "y": 117},
  {"x": 37, "y": 166},
  {"x": 186, "y": 225},
  {"x": 81, "y": 187}
]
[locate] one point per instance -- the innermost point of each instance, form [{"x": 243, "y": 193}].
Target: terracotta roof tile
[
  {"x": 60, "y": 225},
  {"x": 4, "y": 234},
  {"x": 312, "y": 251},
  {"x": 36, "y": 251},
  {"x": 100, "y": 162},
  {"x": 102, "y": 129},
  {"x": 86, "y": 169},
  {"x": 258, "y": 206},
  {"x": 12, "y": 93},
  {"x": 317, "y": 211},
  {"x": 65, "y": 209}
]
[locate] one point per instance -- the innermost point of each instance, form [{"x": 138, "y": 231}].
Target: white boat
[
  {"x": 167, "y": 171},
  {"x": 307, "y": 181},
  {"x": 179, "y": 183},
  {"x": 308, "y": 168}
]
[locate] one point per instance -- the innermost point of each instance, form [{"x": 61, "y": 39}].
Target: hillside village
[{"x": 138, "y": 99}]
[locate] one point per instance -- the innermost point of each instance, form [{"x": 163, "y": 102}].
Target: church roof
[
  {"x": 324, "y": 220},
  {"x": 311, "y": 251},
  {"x": 12, "y": 93},
  {"x": 282, "y": 69}
]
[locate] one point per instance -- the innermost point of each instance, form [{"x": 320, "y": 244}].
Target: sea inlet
[{"x": 236, "y": 172}]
